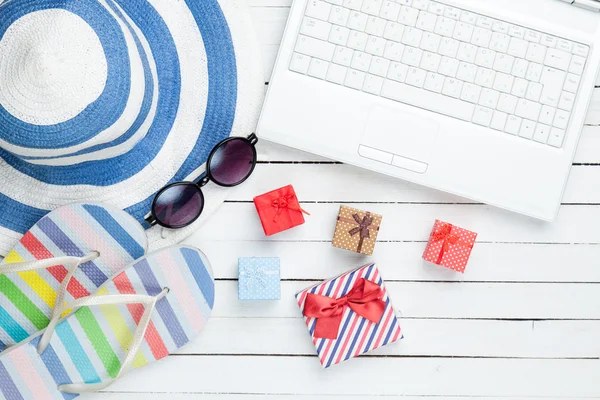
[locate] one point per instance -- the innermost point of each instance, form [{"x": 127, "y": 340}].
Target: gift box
[
  {"x": 449, "y": 246},
  {"x": 356, "y": 230},
  {"x": 279, "y": 210},
  {"x": 349, "y": 315},
  {"x": 258, "y": 278}
]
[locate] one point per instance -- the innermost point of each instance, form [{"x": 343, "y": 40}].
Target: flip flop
[
  {"x": 151, "y": 309},
  {"x": 66, "y": 255}
]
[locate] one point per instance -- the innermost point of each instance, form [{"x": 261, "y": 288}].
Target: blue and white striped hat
[{"x": 110, "y": 100}]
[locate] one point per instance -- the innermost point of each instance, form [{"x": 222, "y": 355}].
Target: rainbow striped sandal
[
  {"x": 151, "y": 309},
  {"x": 66, "y": 255}
]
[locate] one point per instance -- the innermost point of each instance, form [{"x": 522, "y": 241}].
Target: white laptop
[{"x": 484, "y": 99}]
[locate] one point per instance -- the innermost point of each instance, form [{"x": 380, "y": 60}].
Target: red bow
[
  {"x": 364, "y": 299},
  {"x": 445, "y": 233},
  {"x": 285, "y": 201}
]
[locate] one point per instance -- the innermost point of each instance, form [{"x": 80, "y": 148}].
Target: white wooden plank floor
[{"x": 522, "y": 323}]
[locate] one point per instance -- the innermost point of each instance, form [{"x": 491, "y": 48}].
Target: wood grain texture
[{"x": 522, "y": 323}]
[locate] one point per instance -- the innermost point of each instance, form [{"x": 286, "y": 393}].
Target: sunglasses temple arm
[
  {"x": 253, "y": 139},
  {"x": 151, "y": 220}
]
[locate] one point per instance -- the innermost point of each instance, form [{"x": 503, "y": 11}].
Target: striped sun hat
[{"x": 110, "y": 100}]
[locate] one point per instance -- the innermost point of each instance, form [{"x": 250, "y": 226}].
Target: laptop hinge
[{"x": 592, "y": 5}]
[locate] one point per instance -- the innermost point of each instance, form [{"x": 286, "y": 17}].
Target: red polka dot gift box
[
  {"x": 449, "y": 246},
  {"x": 279, "y": 210}
]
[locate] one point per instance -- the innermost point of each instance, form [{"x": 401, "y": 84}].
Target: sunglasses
[{"x": 229, "y": 164}]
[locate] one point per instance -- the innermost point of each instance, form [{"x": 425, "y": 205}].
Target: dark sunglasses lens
[
  {"x": 232, "y": 162},
  {"x": 178, "y": 205}
]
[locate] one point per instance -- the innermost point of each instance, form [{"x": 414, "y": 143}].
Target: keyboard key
[
  {"x": 427, "y": 100},
  {"x": 412, "y": 37},
  {"x": 566, "y": 101},
  {"x": 339, "y": 15},
  {"x": 412, "y": 56},
  {"x": 393, "y": 51},
  {"x": 393, "y": 31},
  {"x": 451, "y": 12},
  {"x": 561, "y": 119},
  {"x": 553, "y": 80},
  {"x": 548, "y": 40},
  {"x": 430, "y": 61},
  {"x": 485, "y": 77},
  {"x": 556, "y": 138},
  {"x": 485, "y": 58},
  {"x": 532, "y": 36},
  {"x": 572, "y": 83},
  {"x": 434, "y": 82},
  {"x": 371, "y": 7},
  {"x": 445, "y": 26},
  {"x": 449, "y": 47},
  {"x": 376, "y": 45},
  {"x": 421, "y": 4},
  {"x": 357, "y": 21},
  {"x": 499, "y": 42},
  {"x": 513, "y": 125},
  {"x": 339, "y": 35},
  {"x": 519, "y": 88},
  {"x": 336, "y": 74},
  {"x": 467, "y": 52},
  {"x": 468, "y": 17},
  {"x": 408, "y": 16},
  {"x": 315, "y": 28},
  {"x": 517, "y": 48},
  {"x": 541, "y": 133},
  {"x": 452, "y": 87},
  {"x": 516, "y": 31},
  {"x": 318, "y": 68},
  {"x": 484, "y": 22},
  {"x": 354, "y": 79},
  {"x": 503, "y": 82},
  {"x": 463, "y": 32},
  {"x": 373, "y": 84},
  {"x": 534, "y": 91},
  {"x": 448, "y": 66},
  {"x": 500, "y": 26},
  {"x": 430, "y": 42},
  {"x": 415, "y": 77},
  {"x": 436, "y": 8},
  {"x": 520, "y": 67},
  {"x": 343, "y": 56},
  {"x": 503, "y": 63},
  {"x": 379, "y": 66},
  {"x": 466, "y": 72},
  {"x": 470, "y": 92},
  {"x": 318, "y": 9},
  {"x": 536, "y": 52},
  {"x": 498, "y": 121},
  {"x": 577, "y": 64},
  {"x": 534, "y": 72},
  {"x": 564, "y": 45},
  {"x": 481, "y": 37},
  {"x": 507, "y": 103},
  {"x": 398, "y": 71},
  {"x": 489, "y": 98},
  {"x": 547, "y": 115},
  {"x": 426, "y": 21},
  {"x": 483, "y": 116},
  {"x": 557, "y": 59},
  {"x": 581, "y": 50},
  {"x": 361, "y": 61},
  {"x": 315, "y": 47},
  {"x": 375, "y": 26},
  {"x": 390, "y": 10},
  {"x": 353, "y": 4},
  {"x": 528, "y": 109},
  {"x": 527, "y": 129},
  {"x": 357, "y": 40},
  {"x": 300, "y": 63}
]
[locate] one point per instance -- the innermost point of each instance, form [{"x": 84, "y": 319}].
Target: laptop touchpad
[{"x": 408, "y": 137}]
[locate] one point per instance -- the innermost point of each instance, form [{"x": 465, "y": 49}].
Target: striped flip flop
[
  {"x": 151, "y": 309},
  {"x": 66, "y": 255}
]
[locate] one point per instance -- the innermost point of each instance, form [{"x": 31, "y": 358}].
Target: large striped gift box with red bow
[{"x": 349, "y": 315}]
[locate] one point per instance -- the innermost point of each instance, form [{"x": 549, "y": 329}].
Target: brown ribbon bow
[
  {"x": 363, "y": 227},
  {"x": 285, "y": 202},
  {"x": 445, "y": 233}
]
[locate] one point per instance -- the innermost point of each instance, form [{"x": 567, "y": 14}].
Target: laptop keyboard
[{"x": 447, "y": 60}]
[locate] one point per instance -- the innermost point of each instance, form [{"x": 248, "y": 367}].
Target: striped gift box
[{"x": 357, "y": 335}]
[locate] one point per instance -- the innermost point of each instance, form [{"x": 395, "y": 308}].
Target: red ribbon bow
[
  {"x": 445, "y": 233},
  {"x": 364, "y": 299},
  {"x": 283, "y": 202}
]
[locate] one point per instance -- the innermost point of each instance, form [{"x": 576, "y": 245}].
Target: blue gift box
[{"x": 259, "y": 278}]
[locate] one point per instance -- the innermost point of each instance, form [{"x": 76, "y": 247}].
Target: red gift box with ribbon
[
  {"x": 349, "y": 315},
  {"x": 449, "y": 246},
  {"x": 279, "y": 210}
]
